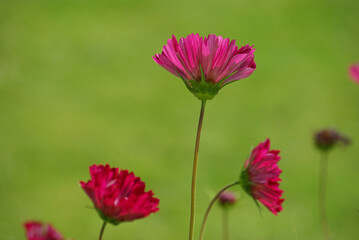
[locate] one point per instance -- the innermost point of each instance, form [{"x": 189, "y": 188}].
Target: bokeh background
[{"x": 78, "y": 86}]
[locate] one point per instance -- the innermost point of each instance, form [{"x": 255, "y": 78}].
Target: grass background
[{"x": 78, "y": 86}]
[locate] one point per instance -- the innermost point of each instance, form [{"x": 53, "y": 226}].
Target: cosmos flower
[
  {"x": 227, "y": 199},
  {"x": 327, "y": 138},
  {"x": 206, "y": 64},
  {"x": 260, "y": 177},
  {"x": 36, "y": 230},
  {"x": 354, "y": 72},
  {"x": 118, "y": 196}
]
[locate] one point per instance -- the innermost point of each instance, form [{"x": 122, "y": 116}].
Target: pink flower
[
  {"x": 260, "y": 177},
  {"x": 206, "y": 64},
  {"x": 354, "y": 72},
  {"x": 40, "y": 231},
  {"x": 119, "y": 196}
]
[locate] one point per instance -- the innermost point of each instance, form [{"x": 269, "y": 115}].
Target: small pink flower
[
  {"x": 41, "y": 231},
  {"x": 260, "y": 177},
  {"x": 206, "y": 64},
  {"x": 354, "y": 72},
  {"x": 119, "y": 196}
]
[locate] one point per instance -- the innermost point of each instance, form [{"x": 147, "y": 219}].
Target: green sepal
[
  {"x": 325, "y": 147},
  {"x": 244, "y": 182},
  {"x": 227, "y": 206},
  {"x": 202, "y": 89},
  {"x": 107, "y": 219},
  {"x": 247, "y": 185}
]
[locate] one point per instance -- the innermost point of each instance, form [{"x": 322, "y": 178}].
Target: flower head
[
  {"x": 328, "y": 138},
  {"x": 206, "y": 64},
  {"x": 354, "y": 72},
  {"x": 260, "y": 177},
  {"x": 41, "y": 231},
  {"x": 227, "y": 199},
  {"x": 119, "y": 196}
]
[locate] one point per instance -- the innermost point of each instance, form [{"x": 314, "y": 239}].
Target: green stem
[
  {"x": 225, "y": 224},
  {"x": 194, "y": 172},
  {"x": 102, "y": 230},
  {"x": 322, "y": 195},
  {"x": 211, "y": 205}
]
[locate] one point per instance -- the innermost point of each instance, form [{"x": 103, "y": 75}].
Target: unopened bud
[{"x": 227, "y": 199}]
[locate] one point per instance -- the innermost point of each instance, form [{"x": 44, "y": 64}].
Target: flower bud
[{"x": 227, "y": 199}]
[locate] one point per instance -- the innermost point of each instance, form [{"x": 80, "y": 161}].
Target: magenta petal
[
  {"x": 36, "y": 230},
  {"x": 354, "y": 72},
  {"x": 242, "y": 73}
]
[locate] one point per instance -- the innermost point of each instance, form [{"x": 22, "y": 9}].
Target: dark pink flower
[
  {"x": 206, "y": 64},
  {"x": 326, "y": 139},
  {"x": 354, "y": 72},
  {"x": 260, "y": 177},
  {"x": 41, "y": 231},
  {"x": 227, "y": 199},
  {"x": 119, "y": 196}
]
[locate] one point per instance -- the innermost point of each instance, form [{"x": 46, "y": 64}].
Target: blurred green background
[{"x": 78, "y": 86}]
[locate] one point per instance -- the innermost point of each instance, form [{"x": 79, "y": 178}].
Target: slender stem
[
  {"x": 322, "y": 195},
  {"x": 194, "y": 172},
  {"x": 211, "y": 205},
  {"x": 225, "y": 224},
  {"x": 102, "y": 230}
]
